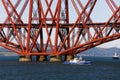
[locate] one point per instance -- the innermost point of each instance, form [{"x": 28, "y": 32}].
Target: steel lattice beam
[{"x": 47, "y": 28}]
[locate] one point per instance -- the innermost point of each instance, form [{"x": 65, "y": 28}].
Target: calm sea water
[{"x": 102, "y": 68}]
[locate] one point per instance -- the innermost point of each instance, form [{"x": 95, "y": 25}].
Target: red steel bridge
[{"x": 45, "y": 27}]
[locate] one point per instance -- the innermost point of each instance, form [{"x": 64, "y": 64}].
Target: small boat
[
  {"x": 78, "y": 61},
  {"x": 115, "y": 56}
]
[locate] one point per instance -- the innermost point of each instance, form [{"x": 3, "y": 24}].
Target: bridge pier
[
  {"x": 25, "y": 58},
  {"x": 41, "y": 58},
  {"x": 69, "y": 57},
  {"x": 54, "y": 58}
]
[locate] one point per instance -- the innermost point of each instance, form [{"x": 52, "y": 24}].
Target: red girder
[{"x": 44, "y": 27}]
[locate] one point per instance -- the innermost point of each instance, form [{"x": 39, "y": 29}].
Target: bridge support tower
[
  {"x": 54, "y": 58},
  {"x": 41, "y": 58},
  {"x": 69, "y": 57},
  {"x": 25, "y": 58}
]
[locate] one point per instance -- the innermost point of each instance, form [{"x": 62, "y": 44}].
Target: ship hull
[
  {"x": 115, "y": 57},
  {"x": 79, "y": 63}
]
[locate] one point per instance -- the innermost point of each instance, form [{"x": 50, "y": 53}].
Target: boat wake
[{"x": 78, "y": 61}]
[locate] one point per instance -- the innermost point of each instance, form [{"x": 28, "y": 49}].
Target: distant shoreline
[
  {"x": 8, "y": 53},
  {"x": 96, "y": 51}
]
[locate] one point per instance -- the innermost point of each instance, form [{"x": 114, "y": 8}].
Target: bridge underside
[{"x": 48, "y": 30}]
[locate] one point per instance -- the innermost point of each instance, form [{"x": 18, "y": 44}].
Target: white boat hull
[
  {"x": 115, "y": 57},
  {"x": 79, "y": 63}
]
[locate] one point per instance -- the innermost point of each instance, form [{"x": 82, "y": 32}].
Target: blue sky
[{"x": 101, "y": 13}]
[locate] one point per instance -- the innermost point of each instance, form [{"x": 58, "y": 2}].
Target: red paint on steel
[{"x": 48, "y": 29}]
